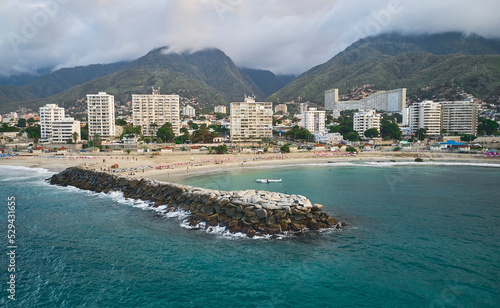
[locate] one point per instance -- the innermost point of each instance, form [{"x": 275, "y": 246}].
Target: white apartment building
[
  {"x": 48, "y": 114},
  {"x": 460, "y": 117},
  {"x": 392, "y": 100},
  {"x": 155, "y": 108},
  {"x": 364, "y": 120},
  {"x": 313, "y": 120},
  {"x": 426, "y": 114},
  {"x": 281, "y": 108},
  {"x": 188, "y": 111},
  {"x": 220, "y": 109},
  {"x": 250, "y": 119},
  {"x": 101, "y": 114},
  {"x": 62, "y": 130}
]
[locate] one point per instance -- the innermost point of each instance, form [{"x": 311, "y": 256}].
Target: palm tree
[
  {"x": 154, "y": 126},
  {"x": 74, "y": 136}
]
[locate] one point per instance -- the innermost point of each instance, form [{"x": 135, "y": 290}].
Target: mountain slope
[
  {"x": 208, "y": 77},
  {"x": 267, "y": 81},
  {"x": 56, "y": 82},
  {"x": 390, "y": 61}
]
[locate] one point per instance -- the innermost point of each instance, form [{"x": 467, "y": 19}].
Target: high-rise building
[
  {"x": 393, "y": 101},
  {"x": 149, "y": 109},
  {"x": 188, "y": 111},
  {"x": 426, "y": 114},
  {"x": 48, "y": 114},
  {"x": 303, "y": 107},
  {"x": 101, "y": 114},
  {"x": 460, "y": 117},
  {"x": 250, "y": 119},
  {"x": 313, "y": 120},
  {"x": 63, "y": 130},
  {"x": 220, "y": 109},
  {"x": 364, "y": 120},
  {"x": 281, "y": 108}
]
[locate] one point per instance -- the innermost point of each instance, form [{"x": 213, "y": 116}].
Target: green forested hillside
[{"x": 439, "y": 62}]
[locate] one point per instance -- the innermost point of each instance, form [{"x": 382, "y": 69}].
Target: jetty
[{"x": 253, "y": 212}]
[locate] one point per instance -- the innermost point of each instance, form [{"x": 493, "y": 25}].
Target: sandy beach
[{"x": 176, "y": 167}]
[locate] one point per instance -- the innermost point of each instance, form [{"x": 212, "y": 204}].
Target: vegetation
[
  {"x": 285, "y": 148},
  {"x": 6, "y": 128},
  {"x": 392, "y": 61},
  {"x": 203, "y": 135},
  {"x": 351, "y": 150},
  {"x": 165, "y": 133},
  {"x": 33, "y": 132},
  {"x": 297, "y": 132},
  {"x": 74, "y": 136},
  {"x": 352, "y": 136},
  {"x": 371, "y": 133},
  {"x": 487, "y": 127},
  {"x": 221, "y": 149},
  {"x": 421, "y": 133},
  {"x": 21, "y": 122},
  {"x": 120, "y": 122}
]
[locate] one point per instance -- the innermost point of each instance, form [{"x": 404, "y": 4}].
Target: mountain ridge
[{"x": 393, "y": 60}]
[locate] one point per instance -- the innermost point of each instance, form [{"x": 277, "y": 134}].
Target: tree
[
  {"x": 154, "y": 126},
  {"x": 298, "y": 132},
  {"x": 31, "y": 121},
  {"x": 221, "y": 149},
  {"x": 120, "y": 122},
  {"x": 74, "y": 136},
  {"x": 21, "y": 122},
  {"x": 204, "y": 135},
  {"x": 487, "y": 127},
  {"x": 6, "y": 128},
  {"x": 371, "y": 133},
  {"x": 352, "y": 136},
  {"x": 165, "y": 133},
  {"x": 84, "y": 132},
  {"x": 468, "y": 138},
  {"x": 390, "y": 130},
  {"x": 351, "y": 149},
  {"x": 421, "y": 133},
  {"x": 96, "y": 140},
  {"x": 285, "y": 148},
  {"x": 34, "y": 133}
]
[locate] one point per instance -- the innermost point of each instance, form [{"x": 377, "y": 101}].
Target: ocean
[{"x": 419, "y": 235}]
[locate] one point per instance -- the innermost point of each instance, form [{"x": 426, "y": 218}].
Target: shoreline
[{"x": 177, "y": 168}]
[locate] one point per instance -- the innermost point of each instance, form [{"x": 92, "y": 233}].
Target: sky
[{"x": 284, "y": 36}]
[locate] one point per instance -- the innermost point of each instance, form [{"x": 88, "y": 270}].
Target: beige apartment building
[
  {"x": 251, "y": 120},
  {"x": 149, "y": 109},
  {"x": 281, "y": 108},
  {"x": 460, "y": 117}
]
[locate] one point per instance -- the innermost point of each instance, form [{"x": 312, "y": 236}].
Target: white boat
[{"x": 267, "y": 181}]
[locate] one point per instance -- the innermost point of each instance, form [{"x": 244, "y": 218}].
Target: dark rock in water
[{"x": 251, "y": 212}]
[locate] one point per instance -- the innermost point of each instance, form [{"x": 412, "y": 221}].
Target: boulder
[{"x": 261, "y": 213}]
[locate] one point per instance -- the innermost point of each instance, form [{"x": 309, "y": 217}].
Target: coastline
[{"x": 176, "y": 168}]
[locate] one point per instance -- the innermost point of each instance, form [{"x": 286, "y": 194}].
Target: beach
[{"x": 176, "y": 167}]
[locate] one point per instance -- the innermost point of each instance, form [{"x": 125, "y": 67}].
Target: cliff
[{"x": 250, "y": 211}]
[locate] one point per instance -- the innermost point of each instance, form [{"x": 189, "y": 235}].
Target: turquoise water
[{"x": 418, "y": 236}]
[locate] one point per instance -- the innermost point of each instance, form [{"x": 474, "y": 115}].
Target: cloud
[{"x": 285, "y": 36}]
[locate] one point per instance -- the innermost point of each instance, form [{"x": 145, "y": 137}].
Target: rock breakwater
[{"x": 250, "y": 211}]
